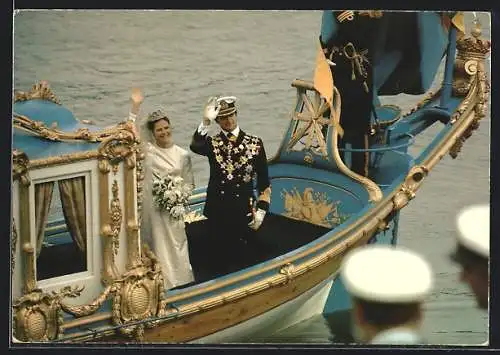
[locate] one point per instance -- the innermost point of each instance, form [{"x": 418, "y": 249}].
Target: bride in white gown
[{"x": 165, "y": 234}]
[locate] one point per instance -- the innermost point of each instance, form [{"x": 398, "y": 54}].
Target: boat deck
[{"x": 278, "y": 235}]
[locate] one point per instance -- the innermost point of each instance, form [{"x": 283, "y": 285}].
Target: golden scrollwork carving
[
  {"x": 312, "y": 207},
  {"x": 116, "y": 216},
  {"x": 289, "y": 271},
  {"x": 38, "y": 128},
  {"x": 38, "y": 315},
  {"x": 92, "y": 307},
  {"x": 471, "y": 51},
  {"x": 20, "y": 167},
  {"x": 408, "y": 189},
  {"x": 118, "y": 147},
  {"x": 40, "y": 90},
  {"x": 13, "y": 246},
  {"x": 471, "y": 81}
]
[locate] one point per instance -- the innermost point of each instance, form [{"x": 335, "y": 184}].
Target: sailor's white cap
[
  {"x": 473, "y": 229},
  {"x": 386, "y": 274}
]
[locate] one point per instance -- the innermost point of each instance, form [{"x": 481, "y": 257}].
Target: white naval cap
[
  {"x": 473, "y": 226},
  {"x": 386, "y": 274}
]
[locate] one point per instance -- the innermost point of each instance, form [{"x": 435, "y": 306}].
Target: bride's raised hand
[{"x": 136, "y": 96}]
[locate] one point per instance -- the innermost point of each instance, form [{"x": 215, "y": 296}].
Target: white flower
[{"x": 171, "y": 194}]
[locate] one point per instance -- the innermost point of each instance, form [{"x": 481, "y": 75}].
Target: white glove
[
  {"x": 211, "y": 109},
  {"x": 258, "y": 218}
]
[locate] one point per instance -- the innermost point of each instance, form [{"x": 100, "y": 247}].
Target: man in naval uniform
[
  {"x": 350, "y": 50},
  {"x": 472, "y": 252},
  {"x": 237, "y": 160},
  {"x": 387, "y": 285},
  {"x": 376, "y": 53}
]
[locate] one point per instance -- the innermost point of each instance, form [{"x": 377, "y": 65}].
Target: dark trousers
[{"x": 356, "y": 112}]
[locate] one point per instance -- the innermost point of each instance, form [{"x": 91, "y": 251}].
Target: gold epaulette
[{"x": 348, "y": 15}]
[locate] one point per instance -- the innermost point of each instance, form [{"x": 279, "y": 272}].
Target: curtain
[
  {"x": 72, "y": 192},
  {"x": 43, "y": 197}
]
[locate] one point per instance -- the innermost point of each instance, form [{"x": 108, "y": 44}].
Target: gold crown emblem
[{"x": 474, "y": 46}]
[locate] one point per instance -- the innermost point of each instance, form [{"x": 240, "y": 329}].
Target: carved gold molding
[
  {"x": 133, "y": 247},
  {"x": 471, "y": 81},
  {"x": 20, "y": 167},
  {"x": 13, "y": 246},
  {"x": 109, "y": 272},
  {"x": 413, "y": 180},
  {"x": 38, "y": 128},
  {"x": 62, "y": 159},
  {"x": 116, "y": 217},
  {"x": 140, "y": 156},
  {"x": 40, "y": 90},
  {"x": 430, "y": 96}
]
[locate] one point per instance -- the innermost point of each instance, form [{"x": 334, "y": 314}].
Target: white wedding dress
[{"x": 166, "y": 235}]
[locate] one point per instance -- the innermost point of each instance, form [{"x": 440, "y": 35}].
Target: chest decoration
[{"x": 236, "y": 159}]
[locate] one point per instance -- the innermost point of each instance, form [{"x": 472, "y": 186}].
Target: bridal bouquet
[{"x": 171, "y": 194}]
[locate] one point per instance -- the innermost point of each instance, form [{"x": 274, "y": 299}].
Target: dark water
[{"x": 179, "y": 58}]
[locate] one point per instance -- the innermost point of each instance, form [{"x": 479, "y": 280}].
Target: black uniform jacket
[{"x": 234, "y": 166}]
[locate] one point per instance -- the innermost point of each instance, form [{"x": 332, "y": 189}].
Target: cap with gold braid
[{"x": 227, "y": 106}]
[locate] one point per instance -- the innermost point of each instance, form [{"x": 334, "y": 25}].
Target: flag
[{"x": 323, "y": 82}]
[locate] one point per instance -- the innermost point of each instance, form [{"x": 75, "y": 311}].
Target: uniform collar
[{"x": 235, "y": 131}]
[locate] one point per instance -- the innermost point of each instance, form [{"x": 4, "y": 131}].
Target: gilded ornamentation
[
  {"x": 408, "y": 189},
  {"x": 104, "y": 166},
  {"x": 288, "y": 270},
  {"x": 313, "y": 126},
  {"x": 371, "y": 13},
  {"x": 38, "y": 316},
  {"x": 62, "y": 159},
  {"x": 471, "y": 81},
  {"x": 243, "y": 153},
  {"x": 140, "y": 183},
  {"x": 121, "y": 131},
  {"x": 317, "y": 109},
  {"x": 13, "y": 245},
  {"x": 118, "y": 147},
  {"x": 427, "y": 98},
  {"x": 85, "y": 310},
  {"x": 312, "y": 207},
  {"x": 109, "y": 272},
  {"x": 115, "y": 213},
  {"x": 138, "y": 296},
  {"x": 20, "y": 167},
  {"x": 29, "y": 271},
  {"x": 40, "y": 90},
  {"x": 470, "y": 52}
]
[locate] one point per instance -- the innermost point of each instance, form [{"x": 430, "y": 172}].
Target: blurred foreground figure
[
  {"x": 388, "y": 286},
  {"x": 473, "y": 250}
]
